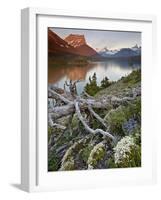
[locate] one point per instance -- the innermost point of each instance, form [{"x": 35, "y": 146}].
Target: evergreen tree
[
  {"x": 105, "y": 83},
  {"x": 92, "y": 88}
]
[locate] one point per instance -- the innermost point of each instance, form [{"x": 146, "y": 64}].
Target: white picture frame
[{"x": 34, "y": 176}]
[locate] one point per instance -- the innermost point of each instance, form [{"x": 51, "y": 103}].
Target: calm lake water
[{"x": 113, "y": 69}]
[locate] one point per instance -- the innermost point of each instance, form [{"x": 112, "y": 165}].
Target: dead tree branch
[
  {"x": 87, "y": 95},
  {"x": 52, "y": 124},
  {"x": 78, "y": 104},
  {"x": 90, "y": 130},
  {"x": 97, "y": 117},
  {"x": 56, "y": 95},
  {"x": 65, "y": 110}
]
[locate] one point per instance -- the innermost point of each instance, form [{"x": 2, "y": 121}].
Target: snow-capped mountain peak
[
  {"x": 123, "y": 52},
  {"x": 105, "y": 52}
]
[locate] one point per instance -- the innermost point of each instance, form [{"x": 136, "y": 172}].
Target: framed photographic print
[{"x": 86, "y": 99}]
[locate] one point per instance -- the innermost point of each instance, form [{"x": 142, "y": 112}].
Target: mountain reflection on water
[{"x": 113, "y": 69}]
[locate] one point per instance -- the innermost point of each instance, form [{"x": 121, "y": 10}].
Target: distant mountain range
[
  {"x": 121, "y": 53},
  {"x": 76, "y": 45}
]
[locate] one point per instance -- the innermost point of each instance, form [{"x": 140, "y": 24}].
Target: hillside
[
  {"x": 124, "y": 86},
  {"x": 97, "y": 132}
]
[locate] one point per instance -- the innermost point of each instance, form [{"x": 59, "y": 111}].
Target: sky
[{"x": 98, "y": 39}]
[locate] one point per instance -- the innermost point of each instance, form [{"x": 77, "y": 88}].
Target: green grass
[
  {"x": 122, "y": 86},
  {"x": 116, "y": 118}
]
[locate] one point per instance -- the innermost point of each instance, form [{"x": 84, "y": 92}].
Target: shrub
[
  {"x": 133, "y": 78},
  {"x": 129, "y": 126},
  {"x": 117, "y": 119},
  {"x": 105, "y": 83},
  {"x": 92, "y": 88},
  {"x": 97, "y": 154},
  {"x": 110, "y": 163},
  {"x": 127, "y": 153},
  {"x": 85, "y": 152},
  {"x": 53, "y": 161}
]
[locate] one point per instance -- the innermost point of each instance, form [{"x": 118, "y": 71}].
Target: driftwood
[
  {"x": 97, "y": 117},
  {"x": 72, "y": 87},
  {"x": 58, "y": 96},
  {"x": 72, "y": 103},
  {"x": 90, "y": 130},
  {"x": 54, "y": 124},
  {"x": 65, "y": 110}
]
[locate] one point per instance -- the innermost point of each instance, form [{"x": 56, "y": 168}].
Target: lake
[{"x": 113, "y": 69}]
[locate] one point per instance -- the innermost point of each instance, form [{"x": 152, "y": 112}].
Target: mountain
[
  {"x": 76, "y": 45},
  {"x": 122, "y": 53},
  {"x": 105, "y": 52},
  {"x": 125, "y": 52},
  {"x": 57, "y": 45},
  {"x": 73, "y": 44},
  {"x": 80, "y": 45},
  {"x": 137, "y": 49},
  {"x": 75, "y": 40}
]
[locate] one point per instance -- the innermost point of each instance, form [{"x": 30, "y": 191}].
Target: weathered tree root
[{"x": 79, "y": 104}]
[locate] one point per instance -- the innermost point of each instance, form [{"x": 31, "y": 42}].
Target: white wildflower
[{"x": 123, "y": 149}]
